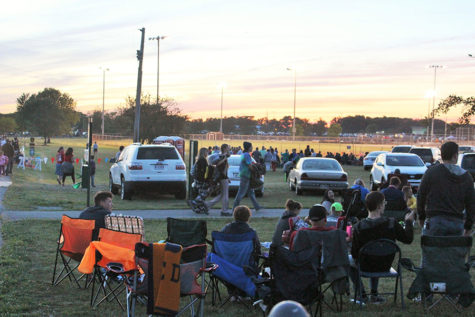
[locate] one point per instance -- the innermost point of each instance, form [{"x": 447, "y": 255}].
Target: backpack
[{"x": 353, "y": 205}]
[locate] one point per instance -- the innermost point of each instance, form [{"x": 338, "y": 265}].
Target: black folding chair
[{"x": 186, "y": 232}]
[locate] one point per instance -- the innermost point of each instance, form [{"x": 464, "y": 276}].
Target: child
[
  {"x": 411, "y": 201},
  {"x": 3, "y": 163}
]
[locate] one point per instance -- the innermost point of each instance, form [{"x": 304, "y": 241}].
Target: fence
[{"x": 109, "y": 137}]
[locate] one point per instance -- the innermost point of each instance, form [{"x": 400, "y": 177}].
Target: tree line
[{"x": 51, "y": 112}]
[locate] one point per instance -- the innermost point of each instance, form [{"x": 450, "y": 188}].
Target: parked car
[
  {"x": 143, "y": 167},
  {"x": 401, "y": 149},
  {"x": 467, "y": 162},
  {"x": 233, "y": 174},
  {"x": 369, "y": 159},
  {"x": 316, "y": 173},
  {"x": 466, "y": 149},
  {"x": 427, "y": 154},
  {"x": 408, "y": 164}
]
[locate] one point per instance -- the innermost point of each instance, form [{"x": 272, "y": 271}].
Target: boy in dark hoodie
[
  {"x": 102, "y": 207},
  {"x": 446, "y": 190}
]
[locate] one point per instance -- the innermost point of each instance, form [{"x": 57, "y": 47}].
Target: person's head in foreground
[
  {"x": 337, "y": 209},
  {"x": 103, "y": 199},
  {"x": 242, "y": 213},
  {"x": 293, "y": 206},
  {"x": 247, "y": 146},
  {"x": 449, "y": 152},
  {"x": 375, "y": 202},
  {"x": 317, "y": 216},
  {"x": 394, "y": 181},
  {"x": 288, "y": 308}
]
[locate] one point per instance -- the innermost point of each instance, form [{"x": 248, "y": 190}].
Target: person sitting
[
  {"x": 102, "y": 207},
  {"x": 359, "y": 184},
  {"x": 335, "y": 215},
  {"x": 397, "y": 173},
  {"x": 394, "y": 196},
  {"x": 376, "y": 226},
  {"x": 328, "y": 200},
  {"x": 292, "y": 210},
  {"x": 317, "y": 218},
  {"x": 117, "y": 155},
  {"x": 241, "y": 216}
]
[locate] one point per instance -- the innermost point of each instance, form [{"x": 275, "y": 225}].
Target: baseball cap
[
  {"x": 337, "y": 206},
  {"x": 317, "y": 212}
]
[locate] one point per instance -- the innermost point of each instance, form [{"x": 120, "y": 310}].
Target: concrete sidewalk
[{"x": 145, "y": 214}]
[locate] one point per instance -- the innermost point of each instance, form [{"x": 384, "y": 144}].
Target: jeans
[
  {"x": 442, "y": 226},
  {"x": 223, "y": 196},
  {"x": 245, "y": 188},
  {"x": 9, "y": 166},
  {"x": 92, "y": 181},
  {"x": 373, "y": 281}
]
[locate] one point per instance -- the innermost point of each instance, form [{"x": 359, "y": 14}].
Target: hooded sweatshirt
[{"x": 447, "y": 190}]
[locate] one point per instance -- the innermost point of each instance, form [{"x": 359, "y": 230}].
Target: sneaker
[
  {"x": 225, "y": 214},
  {"x": 376, "y": 299},
  {"x": 359, "y": 301}
]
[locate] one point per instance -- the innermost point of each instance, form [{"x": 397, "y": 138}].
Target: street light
[
  {"x": 221, "y": 85},
  {"x": 429, "y": 95},
  {"x": 294, "y": 129},
  {"x": 158, "y": 38},
  {"x": 433, "y": 98},
  {"x": 104, "y": 70}
]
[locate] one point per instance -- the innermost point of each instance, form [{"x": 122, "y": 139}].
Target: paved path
[{"x": 5, "y": 181}]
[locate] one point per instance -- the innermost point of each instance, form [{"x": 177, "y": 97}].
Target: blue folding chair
[{"x": 232, "y": 252}]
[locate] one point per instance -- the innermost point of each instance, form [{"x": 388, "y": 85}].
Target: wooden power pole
[{"x": 140, "y": 54}]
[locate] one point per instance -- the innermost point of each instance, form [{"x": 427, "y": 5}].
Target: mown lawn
[
  {"x": 27, "y": 259},
  {"x": 33, "y": 189}
]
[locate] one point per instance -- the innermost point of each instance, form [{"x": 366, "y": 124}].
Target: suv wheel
[
  {"x": 112, "y": 188},
  {"x": 125, "y": 191}
]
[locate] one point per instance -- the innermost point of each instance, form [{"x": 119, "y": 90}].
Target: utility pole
[{"x": 140, "y": 54}]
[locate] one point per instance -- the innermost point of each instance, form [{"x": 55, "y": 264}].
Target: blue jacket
[{"x": 364, "y": 191}]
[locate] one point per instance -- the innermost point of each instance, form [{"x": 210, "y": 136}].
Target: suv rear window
[
  {"x": 157, "y": 153},
  {"x": 468, "y": 162},
  {"x": 401, "y": 149}
]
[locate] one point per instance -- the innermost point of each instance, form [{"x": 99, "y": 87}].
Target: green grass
[
  {"x": 27, "y": 259},
  {"x": 32, "y": 189}
]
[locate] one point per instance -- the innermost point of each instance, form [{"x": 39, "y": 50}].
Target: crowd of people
[{"x": 9, "y": 152}]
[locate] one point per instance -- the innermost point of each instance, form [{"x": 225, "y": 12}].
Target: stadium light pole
[
  {"x": 104, "y": 70},
  {"x": 221, "y": 85},
  {"x": 435, "y": 67},
  {"x": 294, "y": 128},
  {"x": 158, "y": 38},
  {"x": 428, "y": 95}
]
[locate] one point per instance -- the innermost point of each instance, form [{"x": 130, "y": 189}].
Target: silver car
[
  {"x": 316, "y": 173},
  {"x": 233, "y": 174},
  {"x": 369, "y": 159}
]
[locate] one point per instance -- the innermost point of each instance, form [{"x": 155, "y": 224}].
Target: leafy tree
[
  {"x": 452, "y": 101},
  {"x": 320, "y": 127},
  {"x": 47, "y": 113},
  {"x": 334, "y": 130},
  {"x": 7, "y": 125}
]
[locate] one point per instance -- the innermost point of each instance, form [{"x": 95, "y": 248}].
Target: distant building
[{"x": 419, "y": 130}]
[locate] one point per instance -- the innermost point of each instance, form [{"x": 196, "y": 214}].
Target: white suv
[
  {"x": 157, "y": 166},
  {"x": 408, "y": 164}
]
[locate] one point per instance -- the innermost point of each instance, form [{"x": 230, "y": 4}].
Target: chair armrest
[
  {"x": 409, "y": 265},
  {"x": 210, "y": 267}
]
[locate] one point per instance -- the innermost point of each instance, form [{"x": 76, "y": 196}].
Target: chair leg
[
  {"x": 55, "y": 264},
  {"x": 402, "y": 293},
  {"x": 395, "y": 290}
]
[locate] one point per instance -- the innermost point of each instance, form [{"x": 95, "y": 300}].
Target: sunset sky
[{"x": 351, "y": 57}]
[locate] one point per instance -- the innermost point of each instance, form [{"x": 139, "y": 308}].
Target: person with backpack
[
  {"x": 288, "y": 222},
  {"x": 200, "y": 171}
]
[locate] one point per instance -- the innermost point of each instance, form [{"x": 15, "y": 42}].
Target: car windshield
[
  {"x": 404, "y": 161},
  {"x": 468, "y": 162},
  {"x": 425, "y": 152},
  {"x": 157, "y": 153},
  {"x": 321, "y": 165},
  {"x": 374, "y": 154},
  {"x": 401, "y": 149}
]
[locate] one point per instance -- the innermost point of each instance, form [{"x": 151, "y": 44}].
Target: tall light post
[
  {"x": 429, "y": 95},
  {"x": 294, "y": 128},
  {"x": 433, "y": 98},
  {"x": 104, "y": 70},
  {"x": 221, "y": 85},
  {"x": 158, "y": 38}
]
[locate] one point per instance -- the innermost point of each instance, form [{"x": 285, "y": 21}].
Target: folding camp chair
[
  {"x": 129, "y": 224},
  {"x": 379, "y": 252},
  {"x": 232, "y": 252},
  {"x": 445, "y": 272},
  {"x": 109, "y": 273},
  {"x": 142, "y": 286},
  {"x": 186, "y": 232},
  {"x": 74, "y": 237},
  {"x": 335, "y": 264}
]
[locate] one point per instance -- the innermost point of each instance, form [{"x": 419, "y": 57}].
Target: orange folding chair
[
  {"x": 111, "y": 269},
  {"x": 75, "y": 235}
]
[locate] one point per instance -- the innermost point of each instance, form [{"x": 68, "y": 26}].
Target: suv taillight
[
  {"x": 304, "y": 176},
  {"x": 135, "y": 166},
  {"x": 180, "y": 167}
]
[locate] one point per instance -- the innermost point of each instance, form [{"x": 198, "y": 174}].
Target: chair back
[
  {"x": 76, "y": 235},
  {"x": 186, "y": 232},
  {"x": 129, "y": 224},
  {"x": 193, "y": 259},
  {"x": 378, "y": 255},
  {"x": 234, "y": 248},
  {"x": 120, "y": 239},
  {"x": 441, "y": 253}
]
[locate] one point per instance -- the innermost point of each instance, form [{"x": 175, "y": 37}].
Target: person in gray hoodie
[{"x": 445, "y": 202}]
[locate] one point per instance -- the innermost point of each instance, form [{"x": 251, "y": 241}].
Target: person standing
[
  {"x": 8, "y": 150},
  {"x": 117, "y": 155},
  {"x": 446, "y": 190},
  {"x": 92, "y": 170},
  {"x": 67, "y": 167},
  {"x": 221, "y": 172},
  {"x": 95, "y": 148},
  {"x": 245, "y": 175},
  {"x": 200, "y": 180},
  {"x": 3, "y": 163},
  {"x": 59, "y": 161}
]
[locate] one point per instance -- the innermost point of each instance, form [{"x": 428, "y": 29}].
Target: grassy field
[
  {"x": 33, "y": 189},
  {"x": 27, "y": 259}
]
